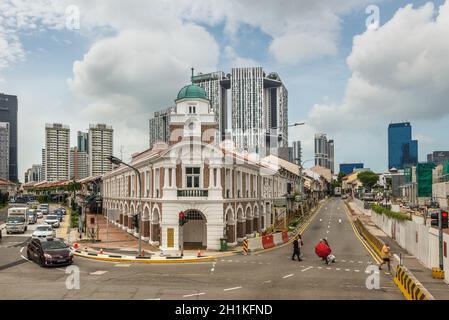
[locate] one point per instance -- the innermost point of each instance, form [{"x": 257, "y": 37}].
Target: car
[
  {"x": 45, "y": 208},
  {"x": 39, "y": 213},
  {"x": 32, "y": 216},
  {"x": 44, "y": 231},
  {"x": 49, "y": 252},
  {"x": 64, "y": 211},
  {"x": 59, "y": 214},
  {"x": 52, "y": 220}
]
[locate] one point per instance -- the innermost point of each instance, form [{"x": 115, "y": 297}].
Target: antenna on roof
[{"x": 192, "y": 69}]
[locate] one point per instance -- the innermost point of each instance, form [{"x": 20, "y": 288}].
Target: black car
[{"x": 49, "y": 252}]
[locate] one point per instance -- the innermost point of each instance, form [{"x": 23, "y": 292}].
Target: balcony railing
[{"x": 193, "y": 193}]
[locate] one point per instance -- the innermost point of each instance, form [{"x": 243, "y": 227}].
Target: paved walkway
[{"x": 438, "y": 288}]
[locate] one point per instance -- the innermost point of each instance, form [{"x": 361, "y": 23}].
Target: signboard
[
  {"x": 170, "y": 237},
  {"x": 280, "y": 203}
]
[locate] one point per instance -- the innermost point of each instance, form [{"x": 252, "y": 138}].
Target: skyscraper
[
  {"x": 57, "y": 152},
  {"x": 8, "y": 113},
  {"x": 83, "y": 142},
  {"x": 438, "y": 157},
  {"x": 217, "y": 93},
  {"x": 402, "y": 150},
  {"x": 259, "y": 108},
  {"x": 159, "y": 129},
  {"x": 324, "y": 152},
  {"x": 4, "y": 150},
  {"x": 100, "y": 148},
  {"x": 79, "y": 164},
  {"x": 297, "y": 152}
]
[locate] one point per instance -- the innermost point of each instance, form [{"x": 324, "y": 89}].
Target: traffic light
[
  {"x": 434, "y": 217},
  {"x": 182, "y": 218},
  {"x": 444, "y": 219}
]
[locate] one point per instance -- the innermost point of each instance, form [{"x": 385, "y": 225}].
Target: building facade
[
  {"x": 4, "y": 150},
  {"x": 159, "y": 126},
  {"x": 402, "y": 150},
  {"x": 348, "y": 168},
  {"x": 79, "y": 164},
  {"x": 34, "y": 174},
  {"x": 324, "y": 151},
  {"x": 296, "y": 153},
  {"x": 224, "y": 193},
  {"x": 100, "y": 148},
  {"x": 83, "y": 141},
  {"x": 438, "y": 157},
  {"x": 57, "y": 152},
  {"x": 8, "y": 113}
]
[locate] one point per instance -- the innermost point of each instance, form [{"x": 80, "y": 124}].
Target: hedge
[{"x": 395, "y": 215}]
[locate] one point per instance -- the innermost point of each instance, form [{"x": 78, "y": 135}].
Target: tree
[
  {"x": 341, "y": 175},
  {"x": 368, "y": 179}
]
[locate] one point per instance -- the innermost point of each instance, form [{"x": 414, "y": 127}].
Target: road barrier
[
  {"x": 245, "y": 247},
  {"x": 375, "y": 242},
  {"x": 408, "y": 285}
]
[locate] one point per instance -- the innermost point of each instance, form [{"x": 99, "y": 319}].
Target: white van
[{"x": 17, "y": 221}]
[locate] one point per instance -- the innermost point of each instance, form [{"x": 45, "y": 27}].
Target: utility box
[{"x": 223, "y": 244}]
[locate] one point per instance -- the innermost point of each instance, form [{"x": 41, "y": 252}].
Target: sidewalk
[
  {"x": 115, "y": 240},
  {"x": 438, "y": 288}
]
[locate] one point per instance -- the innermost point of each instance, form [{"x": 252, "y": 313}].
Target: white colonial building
[{"x": 225, "y": 194}]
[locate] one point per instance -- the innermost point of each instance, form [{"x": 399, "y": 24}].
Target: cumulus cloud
[{"x": 399, "y": 71}]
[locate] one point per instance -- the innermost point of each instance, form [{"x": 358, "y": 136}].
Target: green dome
[{"x": 192, "y": 91}]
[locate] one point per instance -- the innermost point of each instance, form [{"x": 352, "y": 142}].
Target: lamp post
[{"x": 117, "y": 161}]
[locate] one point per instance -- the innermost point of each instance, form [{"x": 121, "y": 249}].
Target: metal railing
[{"x": 193, "y": 193}]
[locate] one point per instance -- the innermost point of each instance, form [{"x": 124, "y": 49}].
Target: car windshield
[
  {"x": 16, "y": 219},
  {"x": 44, "y": 228},
  {"x": 52, "y": 217},
  {"x": 53, "y": 245}
]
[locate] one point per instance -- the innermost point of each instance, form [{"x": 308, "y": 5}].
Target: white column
[
  {"x": 173, "y": 177},
  {"x": 166, "y": 177}
]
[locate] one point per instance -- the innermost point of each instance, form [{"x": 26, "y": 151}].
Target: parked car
[
  {"x": 39, "y": 213},
  {"x": 48, "y": 252},
  {"x": 44, "y": 231},
  {"x": 52, "y": 220}
]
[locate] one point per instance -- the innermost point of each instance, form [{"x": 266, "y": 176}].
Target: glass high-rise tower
[
  {"x": 402, "y": 150},
  {"x": 8, "y": 114}
]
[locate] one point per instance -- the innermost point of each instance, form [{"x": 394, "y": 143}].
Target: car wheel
[{"x": 42, "y": 262}]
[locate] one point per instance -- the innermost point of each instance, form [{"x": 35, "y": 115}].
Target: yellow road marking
[{"x": 364, "y": 243}]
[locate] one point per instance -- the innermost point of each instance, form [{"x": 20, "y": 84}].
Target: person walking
[
  {"x": 385, "y": 254},
  {"x": 296, "y": 247}
]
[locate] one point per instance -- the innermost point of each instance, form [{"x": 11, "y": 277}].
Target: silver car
[
  {"x": 52, "y": 220},
  {"x": 44, "y": 231},
  {"x": 39, "y": 213}
]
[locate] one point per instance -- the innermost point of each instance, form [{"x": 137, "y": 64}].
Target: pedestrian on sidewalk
[
  {"x": 296, "y": 247},
  {"x": 385, "y": 254}
]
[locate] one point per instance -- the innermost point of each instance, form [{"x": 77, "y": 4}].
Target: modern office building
[
  {"x": 34, "y": 174},
  {"x": 438, "y": 157},
  {"x": 57, "y": 152},
  {"x": 83, "y": 141},
  {"x": 216, "y": 90},
  {"x": 43, "y": 164},
  {"x": 296, "y": 154},
  {"x": 79, "y": 164},
  {"x": 100, "y": 148},
  {"x": 324, "y": 152},
  {"x": 159, "y": 126},
  {"x": 348, "y": 168},
  {"x": 402, "y": 150},
  {"x": 259, "y": 111},
  {"x": 4, "y": 150},
  {"x": 8, "y": 113}
]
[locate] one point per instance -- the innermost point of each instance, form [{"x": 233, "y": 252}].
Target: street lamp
[{"x": 117, "y": 161}]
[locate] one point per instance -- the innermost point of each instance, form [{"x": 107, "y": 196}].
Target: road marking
[
  {"x": 339, "y": 220},
  {"x": 288, "y": 276},
  {"x": 321, "y": 219},
  {"x": 21, "y": 250},
  {"x": 343, "y": 260},
  {"x": 267, "y": 281},
  {"x": 193, "y": 294},
  {"x": 346, "y": 269},
  {"x": 24, "y": 258},
  {"x": 260, "y": 262},
  {"x": 327, "y": 231},
  {"x": 235, "y": 288},
  {"x": 154, "y": 299},
  {"x": 122, "y": 265},
  {"x": 356, "y": 270},
  {"x": 98, "y": 273},
  {"x": 338, "y": 269},
  {"x": 352, "y": 261},
  {"x": 360, "y": 261},
  {"x": 328, "y": 268},
  {"x": 306, "y": 269}
]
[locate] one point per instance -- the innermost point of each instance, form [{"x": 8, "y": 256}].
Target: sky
[{"x": 116, "y": 62}]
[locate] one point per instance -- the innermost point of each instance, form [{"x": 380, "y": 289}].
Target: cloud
[
  {"x": 399, "y": 71},
  {"x": 236, "y": 61}
]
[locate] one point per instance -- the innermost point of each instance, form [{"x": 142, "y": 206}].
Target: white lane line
[
  {"x": 193, "y": 295},
  {"x": 235, "y": 288},
  {"x": 356, "y": 270},
  {"x": 343, "y": 260},
  {"x": 339, "y": 220},
  {"x": 288, "y": 276},
  {"x": 260, "y": 262},
  {"x": 306, "y": 269},
  {"x": 21, "y": 250},
  {"x": 24, "y": 258},
  {"x": 98, "y": 273},
  {"x": 327, "y": 231},
  {"x": 121, "y": 265},
  {"x": 154, "y": 299},
  {"x": 338, "y": 269},
  {"x": 321, "y": 220},
  {"x": 352, "y": 261},
  {"x": 360, "y": 261},
  {"x": 267, "y": 281},
  {"x": 320, "y": 268},
  {"x": 347, "y": 270},
  {"x": 328, "y": 268}
]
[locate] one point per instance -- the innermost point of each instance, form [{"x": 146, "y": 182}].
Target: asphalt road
[{"x": 267, "y": 276}]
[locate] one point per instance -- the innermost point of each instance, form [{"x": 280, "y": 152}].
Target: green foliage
[
  {"x": 341, "y": 175},
  {"x": 368, "y": 179},
  {"x": 4, "y": 199},
  {"x": 74, "y": 218},
  {"x": 395, "y": 215}
]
